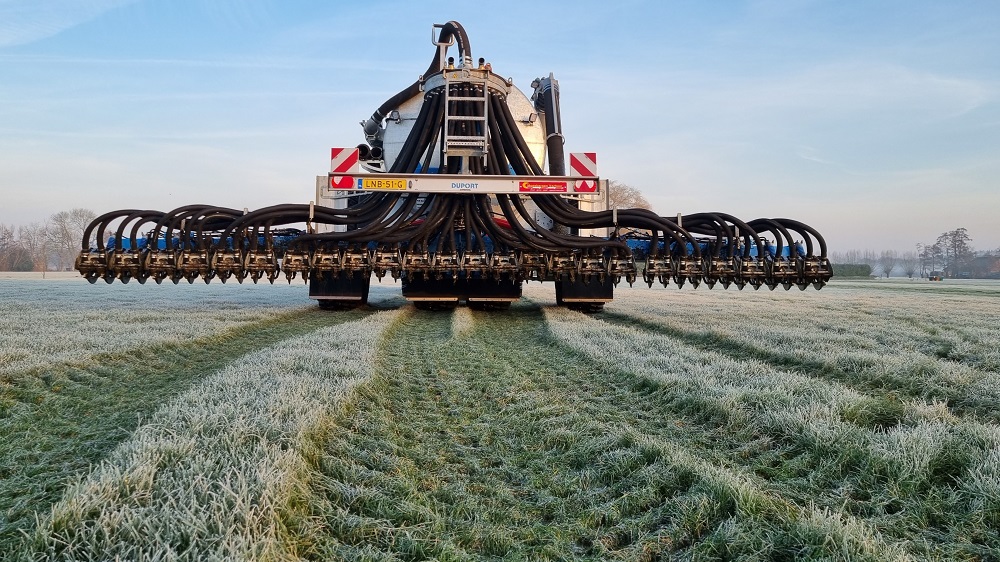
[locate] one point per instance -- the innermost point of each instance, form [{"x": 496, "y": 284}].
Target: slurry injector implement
[{"x": 450, "y": 196}]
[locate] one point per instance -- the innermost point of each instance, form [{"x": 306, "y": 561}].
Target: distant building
[{"x": 984, "y": 267}]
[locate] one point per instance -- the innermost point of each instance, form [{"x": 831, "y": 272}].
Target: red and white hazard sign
[
  {"x": 584, "y": 164},
  {"x": 343, "y": 166}
]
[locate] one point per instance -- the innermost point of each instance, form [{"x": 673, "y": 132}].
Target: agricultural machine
[{"x": 449, "y": 195}]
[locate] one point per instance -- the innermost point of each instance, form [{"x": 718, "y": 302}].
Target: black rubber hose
[
  {"x": 387, "y": 224},
  {"x": 472, "y": 239},
  {"x": 506, "y": 137},
  {"x": 485, "y": 217},
  {"x": 802, "y": 227},
  {"x": 167, "y": 220},
  {"x": 192, "y": 223},
  {"x": 100, "y": 223},
  {"x": 437, "y": 126},
  {"x": 719, "y": 226},
  {"x": 509, "y": 144},
  {"x": 401, "y": 228},
  {"x": 380, "y": 226},
  {"x": 553, "y": 126},
  {"x": 522, "y": 145},
  {"x": 104, "y": 221},
  {"x": 532, "y": 239},
  {"x": 559, "y": 210},
  {"x": 449, "y": 241},
  {"x": 432, "y": 222},
  {"x": 412, "y": 209},
  {"x": 645, "y": 219},
  {"x": 509, "y": 237},
  {"x": 411, "y": 152},
  {"x": 134, "y": 235},
  {"x": 203, "y": 222},
  {"x": 805, "y": 238},
  {"x": 750, "y": 236},
  {"x": 124, "y": 223},
  {"x": 578, "y": 242},
  {"x": 711, "y": 228},
  {"x": 210, "y": 218},
  {"x": 448, "y": 31},
  {"x": 778, "y": 231},
  {"x": 423, "y": 147},
  {"x": 405, "y": 220},
  {"x": 300, "y": 213},
  {"x": 497, "y": 150}
]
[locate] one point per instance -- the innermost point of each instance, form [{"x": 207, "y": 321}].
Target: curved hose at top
[{"x": 449, "y": 31}]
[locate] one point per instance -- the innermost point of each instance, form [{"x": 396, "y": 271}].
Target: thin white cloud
[
  {"x": 268, "y": 63},
  {"x": 228, "y": 95},
  {"x": 861, "y": 85},
  {"x": 811, "y": 154},
  {"x": 26, "y": 21},
  {"x": 846, "y": 86}
]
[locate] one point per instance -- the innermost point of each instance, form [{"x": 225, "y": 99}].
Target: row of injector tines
[
  {"x": 190, "y": 265},
  {"x": 756, "y": 272}
]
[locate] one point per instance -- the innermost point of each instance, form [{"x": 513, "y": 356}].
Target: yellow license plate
[{"x": 383, "y": 183}]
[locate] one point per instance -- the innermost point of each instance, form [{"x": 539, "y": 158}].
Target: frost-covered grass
[
  {"x": 47, "y": 322},
  {"x": 505, "y": 444},
  {"x": 220, "y": 472},
  {"x": 895, "y": 463},
  {"x": 462, "y": 322},
  {"x": 676, "y": 425},
  {"x": 60, "y": 417},
  {"x": 933, "y": 342}
]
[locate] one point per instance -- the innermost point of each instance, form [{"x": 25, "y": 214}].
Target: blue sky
[{"x": 877, "y": 122}]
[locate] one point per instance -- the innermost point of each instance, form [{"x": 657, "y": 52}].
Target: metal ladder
[{"x": 466, "y": 135}]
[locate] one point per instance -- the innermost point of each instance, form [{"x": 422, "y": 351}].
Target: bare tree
[
  {"x": 870, "y": 258},
  {"x": 931, "y": 256},
  {"x": 8, "y": 244},
  {"x": 623, "y": 196},
  {"x": 13, "y": 256},
  {"x": 910, "y": 262},
  {"x": 955, "y": 250},
  {"x": 887, "y": 261},
  {"x": 856, "y": 257},
  {"x": 961, "y": 246},
  {"x": 65, "y": 233},
  {"x": 35, "y": 241},
  {"x": 878, "y": 268},
  {"x": 937, "y": 257},
  {"x": 853, "y": 257},
  {"x": 923, "y": 257}
]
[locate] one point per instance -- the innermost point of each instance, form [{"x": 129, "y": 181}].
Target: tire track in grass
[
  {"x": 499, "y": 441},
  {"x": 930, "y": 484},
  {"x": 987, "y": 290},
  {"x": 953, "y": 340},
  {"x": 43, "y": 323},
  {"x": 72, "y": 416},
  {"x": 887, "y": 390},
  {"x": 218, "y": 472}
]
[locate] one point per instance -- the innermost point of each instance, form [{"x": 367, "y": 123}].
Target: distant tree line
[
  {"x": 950, "y": 256},
  {"x": 43, "y": 246},
  {"x": 852, "y": 270}
]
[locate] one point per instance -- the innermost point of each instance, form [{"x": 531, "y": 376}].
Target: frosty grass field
[{"x": 861, "y": 422}]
